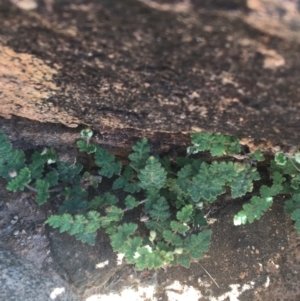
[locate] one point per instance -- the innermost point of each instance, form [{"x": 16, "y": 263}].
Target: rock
[
  {"x": 276, "y": 17},
  {"x": 14, "y": 220},
  {"x": 145, "y": 68},
  {"x": 16, "y": 232},
  {"x": 20, "y": 280}
]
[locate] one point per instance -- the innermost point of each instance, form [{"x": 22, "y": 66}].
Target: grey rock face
[{"x": 20, "y": 280}]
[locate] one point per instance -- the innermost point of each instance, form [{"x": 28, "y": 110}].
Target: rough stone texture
[
  {"x": 276, "y": 17},
  {"x": 20, "y": 280},
  {"x": 143, "y": 68}
]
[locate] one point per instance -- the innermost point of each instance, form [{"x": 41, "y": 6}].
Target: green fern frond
[
  {"x": 20, "y": 181},
  {"x": 253, "y": 210},
  {"x": 153, "y": 175}
]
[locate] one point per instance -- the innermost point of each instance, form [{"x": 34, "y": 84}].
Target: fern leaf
[
  {"x": 55, "y": 221},
  {"x": 119, "y": 238},
  {"x": 288, "y": 169},
  {"x": 131, "y": 202},
  {"x": 67, "y": 172},
  {"x": 52, "y": 178},
  {"x": 296, "y": 217},
  {"x": 37, "y": 166},
  {"x": 104, "y": 200},
  {"x": 67, "y": 221},
  {"x": 205, "y": 185},
  {"x": 92, "y": 226},
  {"x": 107, "y": 163},
  {"x": 266, "y": 191},
  {"x": 185, "y": 214},
  {"x": 243, "y": 182},
  {"x": 292, "y": 204},
  {"x": 129, "y": 248},
  {"x": 178, "y": 227},
  {"x": 79, "y": 223},
  {"x": 5, "y": 145},
  {"x": 295, "y": 183},
  {"x": 253, "y": 210},
  {"x": 120, "y": 183},
  {"x": 86, "y": 134},
  {"x": 74, "y": 199},
  {"x": 172, "y": 238},
  {"x": 199, "y": 219},
  {"x": 85, "y": 147},
  {"x": 88, "y": 238},
  {"x": 42, "y": 188},
  {"x": 73, "y": 206},
  {"x": 153, "y": 175},
  {"x": 278, "y": 178},
  {"x": 114, "y": 213},
  {"x": 223, "y": 171},
  {"x": 197, "y": 244},
  {"x": 11, "y": 161},
  {"x": 22, "y": 179},
  {"x": 257, "y": 156},
  {"x": 184, "y": 260},
  {"x": 63, "y": 222},
  {"x": 48, "y": 155},
  {"x": 132, "y": 188},
  {"x": 184, "y": 177},
  {"x": 146, "y": 258},
  {"x": 160, "y": 210},
  {"x": 280, "y": 158},
  {"x": 217, "y": 144},
  {"x": 140, "y": 155},
  {"x": 127, "y": 186}
]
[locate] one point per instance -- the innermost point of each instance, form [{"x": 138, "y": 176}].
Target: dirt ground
[{"x": 257, "y": 262}]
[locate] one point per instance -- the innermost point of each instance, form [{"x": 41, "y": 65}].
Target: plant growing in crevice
[{"x": 173, "y": 229}]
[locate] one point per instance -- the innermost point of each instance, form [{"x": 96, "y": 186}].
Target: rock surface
[
  {"x": 20, "y": 280},
  {"x": 147, "y": 68},
  {"x": 276, "y": 17}
]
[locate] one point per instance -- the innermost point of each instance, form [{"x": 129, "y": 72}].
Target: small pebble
[
  {"x": 16, "y": 232},
  {"x": 14, "y": 220}
]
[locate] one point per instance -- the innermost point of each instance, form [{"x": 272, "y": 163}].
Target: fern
[
  {"x": 140, "y": 154},
  {"x": 10, "y": 159},
  {"x": 153, "y": 175},
  {"x": 253, "y": 210},
  {"x": 67, "y": 172},
  {"x": 218, "y": 145},
  {"x": 292, "y": 207},
  {"x": 280, "y": 158},
  {"x": 20, "y": 181},
  {"x": 84, "y": 227},
  {"x": 51, "y": 178},
  {"x": 185, "y": 214},
  {"x": 105, "y": 200},
  {"x": 179, "y": 227},
  {"x": 173, "y": 194},
  {"x": 257, "y": 156},
  {"x": 242, "y": 181},
  {"x": 160, "y": 210},
  {"x": 42, "y": 188},
  {"x": 123, "y": 232},
  {"x": 85, "y": 147},
  {"x": 197, "y": 244},
  {"x": 131, "y": 202},
  {"x": 106, "y": 162}
]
